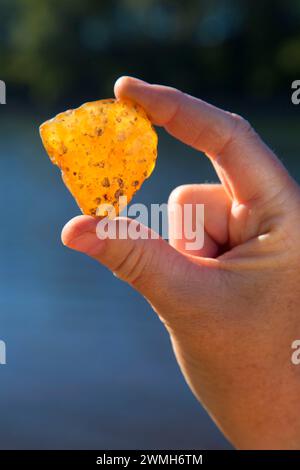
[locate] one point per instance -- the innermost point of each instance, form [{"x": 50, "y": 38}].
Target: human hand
[{"x": 232, "y": 309}]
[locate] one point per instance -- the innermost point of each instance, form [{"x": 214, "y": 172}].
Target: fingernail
[
  {"x": 86, "y": 242},
  {"x": 133, "y": 80}
]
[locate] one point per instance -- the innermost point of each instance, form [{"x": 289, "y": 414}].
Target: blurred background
[{"x": 89, "y": 365}]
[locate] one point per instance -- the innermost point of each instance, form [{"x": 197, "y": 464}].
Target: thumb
[{"x": 149, "y": 264}]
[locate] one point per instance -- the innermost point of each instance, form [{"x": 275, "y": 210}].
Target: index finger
[{"x": 243, "y": 162}]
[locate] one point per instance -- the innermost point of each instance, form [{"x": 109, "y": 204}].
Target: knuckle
[
  {"x": 239, "y": 129},
  {"x": 178, "y": 194},
  {"x": 242, "y": 125},
  {"x": 132, "y": 266}
]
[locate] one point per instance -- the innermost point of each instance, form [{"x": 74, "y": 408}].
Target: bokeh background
[{"x": 89, "y": 365}]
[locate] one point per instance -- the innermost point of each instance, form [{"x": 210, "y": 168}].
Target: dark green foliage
[{"x": 61, "y": 49}]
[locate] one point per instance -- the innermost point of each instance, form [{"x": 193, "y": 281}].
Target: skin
[{"x": 231, "y": 309}]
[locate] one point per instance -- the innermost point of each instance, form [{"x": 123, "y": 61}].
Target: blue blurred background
[{"x": 89, "y": 365}]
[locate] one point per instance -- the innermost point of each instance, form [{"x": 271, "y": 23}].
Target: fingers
[
  {"x": 216, "y": 215},
  {"x": 153, "y": 267},
  {"x": 244, "y": 163}
]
